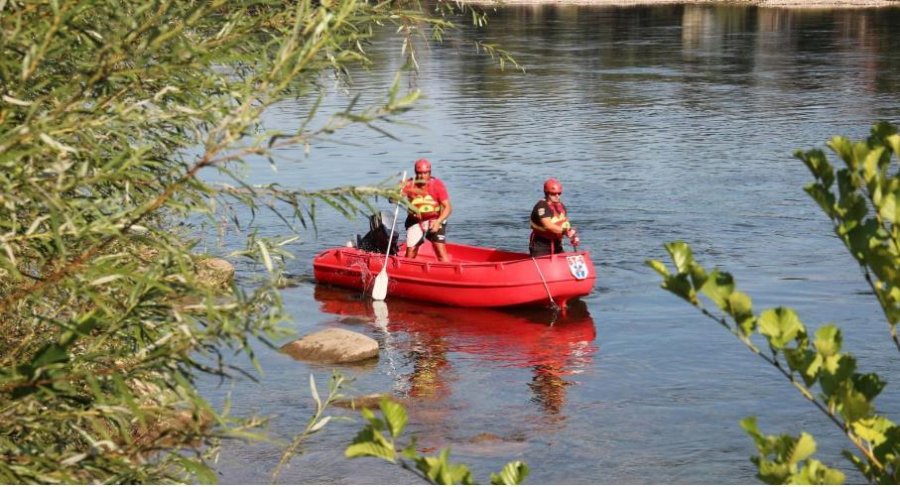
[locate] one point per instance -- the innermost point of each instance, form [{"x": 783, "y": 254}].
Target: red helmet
[
  {"x": 552, "y": 186},
  {"x": 422, "y": 165}
]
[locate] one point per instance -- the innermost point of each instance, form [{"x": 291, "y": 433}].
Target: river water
[{"x": 663, "y": 123}]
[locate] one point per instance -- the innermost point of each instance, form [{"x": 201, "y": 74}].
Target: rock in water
[
  {"x": 332, "y": 346},
  {"x": 215, "y": 272},
  {"x": 371, "y": 401}
]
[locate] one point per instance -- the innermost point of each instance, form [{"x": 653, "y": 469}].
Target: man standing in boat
[
  {"x": 430, "y": 207},
  {"x": 549, "y": 223}
]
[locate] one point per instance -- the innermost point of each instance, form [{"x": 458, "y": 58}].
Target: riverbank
[{"x": 798, "y": 4}]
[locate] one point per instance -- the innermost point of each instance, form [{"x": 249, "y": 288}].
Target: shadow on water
[{"x": 426, "y": 337}]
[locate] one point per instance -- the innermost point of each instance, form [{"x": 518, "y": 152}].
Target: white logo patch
[
  {"x": 541, "y": 212},
  {"x": 577, "y": 266}
]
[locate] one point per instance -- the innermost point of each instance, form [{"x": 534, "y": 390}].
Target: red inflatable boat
[{"x": 475, "y": 276}]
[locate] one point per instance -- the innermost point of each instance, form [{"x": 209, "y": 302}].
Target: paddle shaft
[{"x": 379, "y": 289}]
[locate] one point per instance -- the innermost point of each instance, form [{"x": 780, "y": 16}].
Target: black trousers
[{"x": 540, "y": 246}]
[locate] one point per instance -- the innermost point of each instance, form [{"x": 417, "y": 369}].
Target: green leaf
[
  {"x": 199, "y": 470},
  {"x": 837, "y": 372},
  {"x": 828, "y": 340},
  {"x": 786, "y": 460},
  {"x": 887, "y": 207},
  {"x": 319, "y": 424},
  {"x": 682, "y": 256},
  {"x": 410, "y": 451},
  {"x": 373, "y": 420},
  {"x": 315, "y": 392},
  {"x": 873, "y": 429},
  {"x": 680, "y": 286},
  {"x": 267, "y": 259},
  {"x": 843, "y": 148},
  {"x": 853, "y": 404},
  {"x": 869, "y": 385},
  {"x": 803, "y": 448},
  {"x": 740, "y": 307},
  {"x": 891, "y": 445},
  {"x": 659, "y": 267},
  {"x": 859, "y": 240},
  {"x": 371, "y": 443},
  {"x": 816, "y": 473},
  {"x": 749, "y": 425},
  {"x": 871, "y": 164},
  {"x": 823, "y": 197},
  {"x": 893, "y": 142},
  {"x": 513, "y": 473},
  {"x": 804, "y": 361},
  {"x": 439, "y": 470},
  {"x": 395, "y": 416},
  {"x": 83, "y": 326},
  {"x": 818, "y": 165},
  {"x": 781, "y": 326},
  {"x": 698, "y": 276},
  {"x": 718, "y": 287},
  {"x": 49, "y": 354},
  {"x": 370, "y": 449}
]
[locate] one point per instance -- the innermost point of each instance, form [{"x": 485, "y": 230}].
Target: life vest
[
  {"x": 557, "y": 215},
  {"x": 422, "y": 200}
]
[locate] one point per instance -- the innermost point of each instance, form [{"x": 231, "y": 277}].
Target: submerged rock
[
  {"x": 355, "y": 320},
  {"x": 171, "y": 427},
  {"x": 332, "y": 346},
  {"x": 370, "y": 401},
  {"x": 490, "y": 444},
  {"x": 485, "y": 438},
  {"x": 288, "y": 280}
]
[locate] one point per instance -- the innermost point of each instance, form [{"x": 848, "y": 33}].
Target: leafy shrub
[{"x": 863, "y": 206}]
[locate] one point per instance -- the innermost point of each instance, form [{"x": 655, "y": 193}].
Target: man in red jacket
[
  {"x": 549, "y": 223},
  {"x": 430, "y": 207}
]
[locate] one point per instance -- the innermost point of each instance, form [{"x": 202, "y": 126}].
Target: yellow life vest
[
  {"x": 557, "y": 216},
  {"x": 422, "y": 202}
]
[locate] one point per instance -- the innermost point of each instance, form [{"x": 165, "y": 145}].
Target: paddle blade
[
  {"x": 381, "y": 314},
  {"x": 379, "y": 290}
]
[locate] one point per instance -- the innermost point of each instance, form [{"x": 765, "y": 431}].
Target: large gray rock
[{"x": 332, "y": 346}]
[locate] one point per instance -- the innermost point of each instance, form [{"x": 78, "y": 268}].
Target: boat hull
[{"x": 475, "y": 277}]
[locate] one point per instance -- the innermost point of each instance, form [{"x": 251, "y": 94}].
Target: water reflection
[
  {"x": 553, "y": 347},
  {"x": 740, "y": 43}
]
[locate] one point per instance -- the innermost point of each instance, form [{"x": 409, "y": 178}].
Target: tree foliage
[
  {"x": 863, "y": 207},
  {"x": 863, "y": 202},
  {"x": 111, "y": 114},
  {"x": 379, "y": 439}
]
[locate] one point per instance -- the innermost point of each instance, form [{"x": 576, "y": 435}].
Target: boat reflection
[{"x": 426, "y": 336}]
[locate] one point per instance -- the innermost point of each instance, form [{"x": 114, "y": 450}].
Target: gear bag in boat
[{"x": 376, "y": 240}]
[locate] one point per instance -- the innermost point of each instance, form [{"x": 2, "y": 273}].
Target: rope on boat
[
  {"x": 366, "y": 276},
  {"x": 544, "y": 281}
]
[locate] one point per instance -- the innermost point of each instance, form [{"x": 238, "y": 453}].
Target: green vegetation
[
  {"x": 112, "y": 114},
  {"x": 378, "y": 439},
  {"x": 862, "y": 202}
]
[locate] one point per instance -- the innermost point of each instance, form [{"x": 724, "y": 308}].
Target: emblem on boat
[{"x": 577, "y": 266}]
